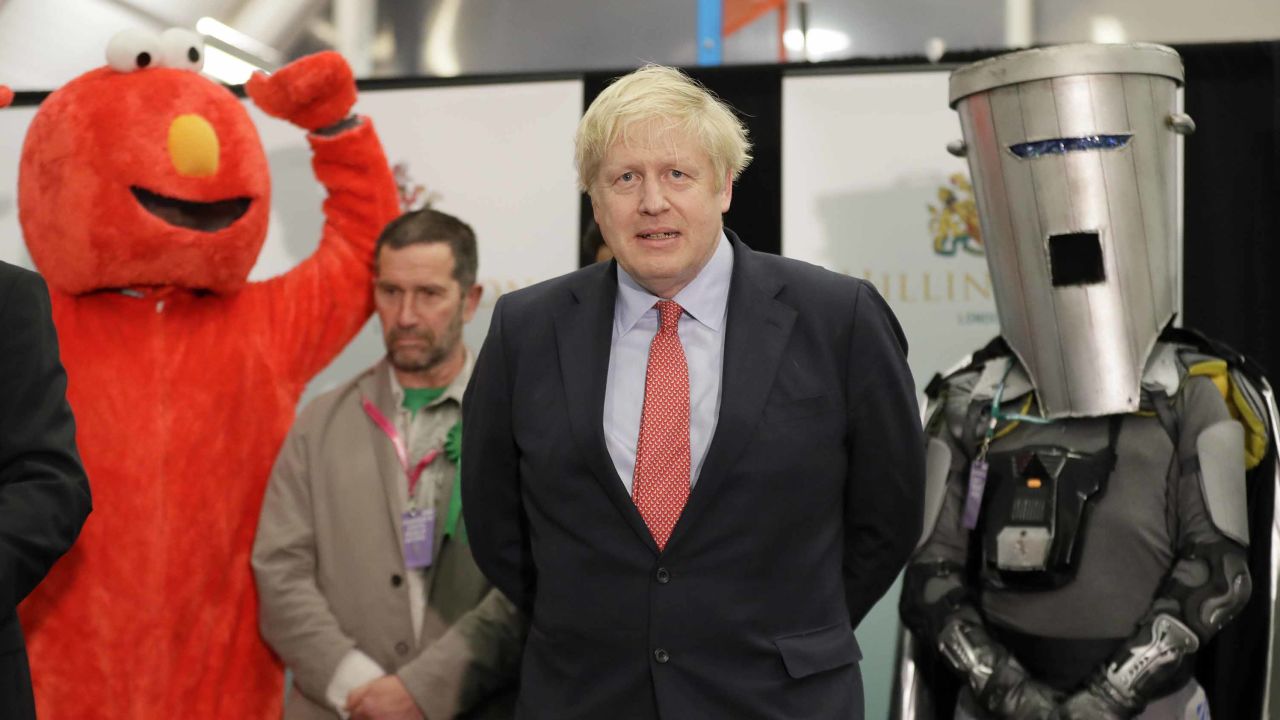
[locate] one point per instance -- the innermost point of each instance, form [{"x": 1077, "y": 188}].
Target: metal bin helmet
[{"x": 1073, "y": 156}]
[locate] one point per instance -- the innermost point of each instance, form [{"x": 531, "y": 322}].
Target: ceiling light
[
  {"x": 822, "y": 42},
  {"x": 226, "y": 67},
  {"x": 1107, "y": 29},
  {"x": 236, "y": 39}
]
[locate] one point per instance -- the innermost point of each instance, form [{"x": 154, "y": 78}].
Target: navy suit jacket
[
  {"x": 44, "y": 495},
  {"x": 807, "y": 506}
]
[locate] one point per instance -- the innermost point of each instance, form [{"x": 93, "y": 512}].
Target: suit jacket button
[
  {"x": 396, "y": 580},
  {"x": 661, "y": 655},
  {"x": 663, "y": 576},
  {"x": 402, "y": 648}
]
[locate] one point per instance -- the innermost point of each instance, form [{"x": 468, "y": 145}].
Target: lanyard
[
  {"x": 997, "y": 414},
  {"x": 414, "y": 473}
]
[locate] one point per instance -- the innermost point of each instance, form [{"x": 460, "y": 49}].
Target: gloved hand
[
  {"x": 6, "y": 96},
  {"x": 312, "y": 92},
  {"x": 1097, "y": 701},
  {"x": 1013, "y": 694}
]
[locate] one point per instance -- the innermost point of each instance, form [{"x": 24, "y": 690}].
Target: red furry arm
[{"x": 314, "y": 310}]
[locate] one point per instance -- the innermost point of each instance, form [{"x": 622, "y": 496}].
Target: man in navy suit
[
  {"x": 697, "y": 466},
  {"x": 44, "y": 495}
]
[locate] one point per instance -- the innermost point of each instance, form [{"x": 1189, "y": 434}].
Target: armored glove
[
  {"x": 1098, "y": 701},
  {"x": 999, "y": 682}
]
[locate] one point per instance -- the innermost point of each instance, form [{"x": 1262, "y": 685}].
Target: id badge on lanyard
[
  {"x": 417, "y": 525},
  {"x": 977, "y": 481}
]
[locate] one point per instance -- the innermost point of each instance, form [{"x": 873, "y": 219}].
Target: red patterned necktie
[{"x": 661, "y": 484}]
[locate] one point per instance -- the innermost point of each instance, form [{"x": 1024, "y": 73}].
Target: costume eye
[
  {"x": 133, "y": 49},
  {"x": 1061, "y": 146},
  {"x": 182, "y": 49}
]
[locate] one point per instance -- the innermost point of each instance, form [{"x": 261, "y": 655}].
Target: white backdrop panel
[
  {"x": 13, "y": 128},
  {"x": 863, "y": 160}
]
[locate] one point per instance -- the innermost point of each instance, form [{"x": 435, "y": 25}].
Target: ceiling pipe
[
  {"x": 277, "y": 24},
  {"x": 1019, "y": 23},
  {"x": 356, "y": 22}
]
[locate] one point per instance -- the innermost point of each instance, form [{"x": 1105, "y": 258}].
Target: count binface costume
[
  {"x": 1087, "y": 530},
  {"x": 144, "y": 196}
]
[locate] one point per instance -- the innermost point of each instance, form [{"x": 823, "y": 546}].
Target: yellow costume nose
[{"x": 193, "y": 146}]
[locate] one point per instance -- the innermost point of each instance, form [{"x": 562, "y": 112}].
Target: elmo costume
[{"x": 143, "y": 198}]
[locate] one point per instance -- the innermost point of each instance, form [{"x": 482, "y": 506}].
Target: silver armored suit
[{"x": 1102, "y": 551}]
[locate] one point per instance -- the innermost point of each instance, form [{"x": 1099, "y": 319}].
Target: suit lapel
[
  {"x": 377, "y": 388},
  {"x": 584, "y": 335},
  {"x": 756, "y": 333}
]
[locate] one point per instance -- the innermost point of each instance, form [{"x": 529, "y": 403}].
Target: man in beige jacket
[{"x": 367, "y": 587}]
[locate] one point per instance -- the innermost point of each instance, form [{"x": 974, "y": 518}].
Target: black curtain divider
[
  {"x": 1232, "y": 190},
  {"x": 1231, "y": 233}
]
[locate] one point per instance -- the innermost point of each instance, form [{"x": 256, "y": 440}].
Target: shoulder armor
[
  {"x": 937, "y": 470},
  {"x": 1164, "y": 370},
  {"x": 1016, "y": 380},
  {"x": 974, "y": 380},
  {"x": 1222, "y": 483},
  {"x": 1186, "y": 355},
  {"x": 954, "y": 401},
  {"x": 1242, "y": 394},
  {"x": 1245, "y": 388}
]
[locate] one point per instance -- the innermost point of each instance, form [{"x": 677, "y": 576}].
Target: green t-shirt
[{"x": 417, "y": 398}]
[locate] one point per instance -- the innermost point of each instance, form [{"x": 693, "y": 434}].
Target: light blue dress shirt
[{"x": 635, "y": 323}]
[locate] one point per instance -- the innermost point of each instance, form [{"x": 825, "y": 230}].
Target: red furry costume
[{"x": 183, "y": 377}]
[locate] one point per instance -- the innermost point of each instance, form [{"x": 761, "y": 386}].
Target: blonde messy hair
[{"x": 663, "y": 93}]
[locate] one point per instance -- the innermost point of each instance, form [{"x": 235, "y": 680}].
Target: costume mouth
[{"x": 202, "y": 216}]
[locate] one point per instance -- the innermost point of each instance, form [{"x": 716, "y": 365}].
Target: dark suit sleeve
[
  {"x": 496, "y": 524},
  {"x": 44, "y": 494},
  {"x": 885, "y": 491}
]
